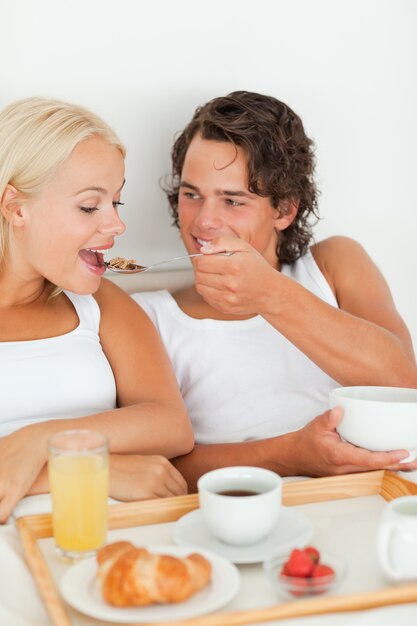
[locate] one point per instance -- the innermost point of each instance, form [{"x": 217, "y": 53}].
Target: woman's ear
[
  {"x": 10, "y": 206},
  {"x": 286, "y": 212}
]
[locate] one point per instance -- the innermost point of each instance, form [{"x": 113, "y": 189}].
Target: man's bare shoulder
[
  {"x": 337, "y": 252},
  {"x": 340, "y": 257},
  {"x": 336, "y": 246}
]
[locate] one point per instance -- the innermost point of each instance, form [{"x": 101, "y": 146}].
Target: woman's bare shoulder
[{"x": 112, "y": 300}]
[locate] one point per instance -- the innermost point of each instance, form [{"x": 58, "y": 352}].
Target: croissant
[{"x": 131, "y": 576}]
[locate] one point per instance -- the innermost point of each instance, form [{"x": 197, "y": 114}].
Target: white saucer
[{"x": 293, "y": 529}]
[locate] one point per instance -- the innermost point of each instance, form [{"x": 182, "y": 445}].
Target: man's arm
[
  {"x": 315, "y": 450},
  {"x": 363, "y": 342}
]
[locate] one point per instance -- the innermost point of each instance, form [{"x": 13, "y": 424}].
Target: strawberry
[
  {"x": 319, "y": 571},
  {"x": 321, "y": 577},
  {"x": 300, "y": 587},
  {"x": 299, "y": 564},
  {"x": 313, "y": 553}
]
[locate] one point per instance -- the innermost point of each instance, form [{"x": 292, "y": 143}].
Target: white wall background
[{"x": 348, "y": 67}]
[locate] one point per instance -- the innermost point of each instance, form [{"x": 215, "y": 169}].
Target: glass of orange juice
[{"x": 78, "y": 470}]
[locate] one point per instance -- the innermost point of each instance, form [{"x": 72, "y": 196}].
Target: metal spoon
[{"x": 138, "y": 269}]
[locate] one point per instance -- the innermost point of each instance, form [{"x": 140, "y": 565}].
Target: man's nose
[{"x": 209, "y": 215}]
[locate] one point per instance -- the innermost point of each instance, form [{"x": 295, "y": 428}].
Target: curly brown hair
[{"x": 280, "y": 158}]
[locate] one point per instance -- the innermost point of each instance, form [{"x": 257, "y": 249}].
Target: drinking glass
[{"x": 79, "y": 481}]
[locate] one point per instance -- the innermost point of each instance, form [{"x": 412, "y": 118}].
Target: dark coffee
[{"x": 238, "y": 493}]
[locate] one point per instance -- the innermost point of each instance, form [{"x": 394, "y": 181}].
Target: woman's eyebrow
[{"x": 98, "y": 189}]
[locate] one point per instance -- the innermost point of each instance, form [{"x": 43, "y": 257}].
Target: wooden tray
[{"x": 383, "y": 483}]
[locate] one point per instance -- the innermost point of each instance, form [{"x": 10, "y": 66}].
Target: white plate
[
  {"x": 80, "y": 589},
  {"x": 293, "y": 529}
]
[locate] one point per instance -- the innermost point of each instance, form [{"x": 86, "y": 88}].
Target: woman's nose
[{"x": 114, "y": 225}]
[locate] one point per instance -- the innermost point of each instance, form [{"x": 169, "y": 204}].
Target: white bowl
[{"x": 378, "y": 418}]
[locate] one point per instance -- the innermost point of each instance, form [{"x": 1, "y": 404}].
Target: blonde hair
[{"x": 36, "y": 136}]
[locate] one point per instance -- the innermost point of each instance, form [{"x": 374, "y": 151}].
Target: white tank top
[
  {"x": 59, "y": 377},
  {"x": 242, "y": 380}
]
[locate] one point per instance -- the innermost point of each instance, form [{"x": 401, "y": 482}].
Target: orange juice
[{"x": 79, "y": 487}]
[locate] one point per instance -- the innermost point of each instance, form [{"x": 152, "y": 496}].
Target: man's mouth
[{"x": 201, "y": 242}]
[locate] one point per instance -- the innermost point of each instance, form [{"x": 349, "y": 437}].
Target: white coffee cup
[
  {"x": 240, "y": 505},
  {"x": 396, "y": 539}
]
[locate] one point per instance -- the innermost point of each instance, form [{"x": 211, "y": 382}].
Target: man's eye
[
  {"x": 116, "y": 204},
  {"x": 231, "y": 202},
  {"x": 191, "y": 195},
  {"x": 89, "y": 209}
]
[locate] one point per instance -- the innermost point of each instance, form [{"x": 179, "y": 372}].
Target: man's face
[{"x": 214, "y": 200}]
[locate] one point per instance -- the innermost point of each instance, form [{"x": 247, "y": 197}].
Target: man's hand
[
  {"x": 321, "y": 452},
  {"x": 240, "y": 283}
]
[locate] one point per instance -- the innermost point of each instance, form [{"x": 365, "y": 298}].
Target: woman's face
[
  {"x": 74, "y": 215},
  {"x": 214, "y": 200}
]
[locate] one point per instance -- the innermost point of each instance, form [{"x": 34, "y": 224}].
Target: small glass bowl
[{"x": 291, "y": 587}]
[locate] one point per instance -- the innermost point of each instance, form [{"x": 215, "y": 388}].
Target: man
[{"x": 266, "y": 332}]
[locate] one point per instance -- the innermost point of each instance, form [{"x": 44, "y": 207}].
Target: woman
[
  {"x": 67, "y": 357},
  {"x": 264, "y": 334}
]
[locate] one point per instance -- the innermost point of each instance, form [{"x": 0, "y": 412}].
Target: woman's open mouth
[{"x": 94, "y": 259}]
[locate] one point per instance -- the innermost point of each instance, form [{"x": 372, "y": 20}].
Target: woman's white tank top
[
  {"x": 58, "y": 377},
  {"x": 242, "y": 380}
]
